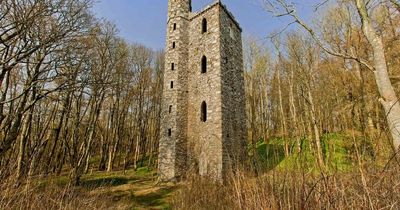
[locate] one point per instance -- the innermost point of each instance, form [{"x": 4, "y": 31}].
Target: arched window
[
  {"x": 173, "y": 45},
  {"x": 204, "y": 64},
  {"x": 170, "y": 109},
  {"x": 204, "y": 26},
  {"x": 174, "y": 26},
  {"x": 170, "y": 132},
  {"x": 203, "y": 112},
  {"x": 172, "y": 84},
  {"x": 172, "y": 66}
]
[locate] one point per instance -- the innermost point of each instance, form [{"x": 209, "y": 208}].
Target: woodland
[{"x": 80, "y": 112}]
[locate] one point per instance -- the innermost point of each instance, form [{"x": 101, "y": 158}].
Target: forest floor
[
  {"x": 139, "y": 189},
  {"x": 128, "y": 189},
  {"x": 131, "y": 189}
]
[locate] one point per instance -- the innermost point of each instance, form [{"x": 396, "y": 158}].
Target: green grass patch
[
  {"x": 144, "y": 171},
  {"x": 269, "y": 155},
  {"x": 338, "y": 153},
  {"x": 337, "y": 149},
  {"x": 155, "y": 200}
]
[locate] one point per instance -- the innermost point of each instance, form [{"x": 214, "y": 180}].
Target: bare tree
[{"x": 388, "y": 99}]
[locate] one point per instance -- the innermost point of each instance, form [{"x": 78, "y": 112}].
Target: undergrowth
[
  {"x": 349, "y": 181},
  {"x": 274, "y": 181}
]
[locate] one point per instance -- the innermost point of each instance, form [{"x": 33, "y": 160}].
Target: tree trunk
[
  {"x": 388, "y": 98},
  {"x": 317, "y": 137},
  {"x": 66, "y": 107},
  {"x": 13, "y": 134},
  {"x": 293, "y": 111},
  {"x": 103, "y": 153},
  {"x": 21, "y": 160},
  {"x": 282, "y": 112}
]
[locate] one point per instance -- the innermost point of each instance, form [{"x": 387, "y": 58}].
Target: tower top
[
  {"x": 210, "y": 6},
  {"x": 179, "y": 8}
]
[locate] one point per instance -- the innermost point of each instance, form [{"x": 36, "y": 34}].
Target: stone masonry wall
[
  {"x": 173, "y": 138},
  {"x": 205, "y": 138},
  {"x": 233, "y": 93},
  {"x": 187, "y": 143}
]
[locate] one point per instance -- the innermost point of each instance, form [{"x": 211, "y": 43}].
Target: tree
[{"x": 388, "y": 96}]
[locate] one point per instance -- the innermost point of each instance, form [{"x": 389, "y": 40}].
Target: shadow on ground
[
  {"x": 130, "y": 189},
  {"x": 154, "y": 200},
  {"x": 270, "y": 155},
  {"x": 104, "y": 182}
]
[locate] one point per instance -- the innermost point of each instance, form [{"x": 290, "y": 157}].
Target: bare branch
[
  {"x": 316, "y": 7},
  {"x": 290, "y": 11},
  {"x": 396, "y": 4}
]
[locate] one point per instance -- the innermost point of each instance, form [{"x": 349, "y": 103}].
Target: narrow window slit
[
  {"x": 204, "y": 26},
  {"x": 204, "y": 64},
  {"x": 203, "y": 111}
]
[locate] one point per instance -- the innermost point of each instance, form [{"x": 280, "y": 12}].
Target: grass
[
  {"x": 132, "y": 189},
  {"x": 296, "y": 182},
  {"x": 338, "y": 151},
  {"x": 138, "y": 189},
  {"x": 270, "y": 155},
  {"x": 156, "y": 199}
]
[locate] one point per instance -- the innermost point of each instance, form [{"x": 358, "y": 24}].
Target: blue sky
[{"x": 143, "y": 21}]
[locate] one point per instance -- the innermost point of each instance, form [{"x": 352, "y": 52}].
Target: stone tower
[{"x": 203, "y": 126}]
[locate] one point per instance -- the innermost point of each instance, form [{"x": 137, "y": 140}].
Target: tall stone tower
[{"x": 203, "y": 127}]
